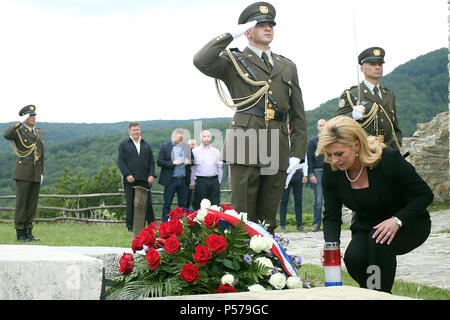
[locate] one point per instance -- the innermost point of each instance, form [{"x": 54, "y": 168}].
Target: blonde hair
[{"x": 345, "y": 130}]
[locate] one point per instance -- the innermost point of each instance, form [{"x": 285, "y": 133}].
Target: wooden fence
[{"x": 77, "y": 210}]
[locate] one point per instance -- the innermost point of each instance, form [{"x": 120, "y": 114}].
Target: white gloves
[
  {"x": 42, "y": 178},
  {"x": 293, "y": 162},
  {"x": 358, "y": 112},
  {"x": 240, "y": 29}
]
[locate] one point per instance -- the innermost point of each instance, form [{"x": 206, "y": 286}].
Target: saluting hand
[{"x": 242, "y": 28}]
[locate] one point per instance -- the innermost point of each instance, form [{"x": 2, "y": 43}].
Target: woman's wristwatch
[{"x": 398, "y": 222}]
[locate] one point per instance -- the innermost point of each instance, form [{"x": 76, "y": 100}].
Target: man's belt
[{"x": 278, "y": 116}]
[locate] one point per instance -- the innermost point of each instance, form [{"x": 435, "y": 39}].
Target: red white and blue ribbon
[{"x": 256, "y": 229}]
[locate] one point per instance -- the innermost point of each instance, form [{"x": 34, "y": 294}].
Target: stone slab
[
  {"x": 36, "y": 272},
  {"x": 322, "y": 293}
]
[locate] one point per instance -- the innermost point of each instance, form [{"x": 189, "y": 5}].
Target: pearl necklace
[{"x": 357, "y": 177}]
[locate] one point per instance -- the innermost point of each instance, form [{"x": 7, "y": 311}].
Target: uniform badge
[
  {"x": 376, "y": 52},
  {"x": 264, "y": 9},
  {"x": 341, "y": 103},
  {"x": 32, "y": 108}
]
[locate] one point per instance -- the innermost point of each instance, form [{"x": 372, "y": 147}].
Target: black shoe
[
  {"x": 21, "y": 236},
  {"x": 315, "y": 228},
  {"x": 30, "y": 236},
  {"x": 301, "y": 229}
]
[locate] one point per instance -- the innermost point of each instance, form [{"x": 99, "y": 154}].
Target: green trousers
[
  {"x": 27, "y": 196},
  {"x": 258, "y": 195}
]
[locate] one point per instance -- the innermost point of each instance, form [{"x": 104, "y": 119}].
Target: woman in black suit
[{"x": 386, "y": 193}]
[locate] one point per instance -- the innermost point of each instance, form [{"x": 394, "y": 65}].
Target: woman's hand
[{"x": 386, "y": 231}]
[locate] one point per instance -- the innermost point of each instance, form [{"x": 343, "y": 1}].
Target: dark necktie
[
  {"x": 375, "y": 93},
  {"x": 266, "y": 60}
]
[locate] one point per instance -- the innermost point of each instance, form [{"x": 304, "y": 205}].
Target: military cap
[
  {"x": 259, "y": 11},
  {"x": 373, "y": 54},
  {"x": 30, "y": 109}
]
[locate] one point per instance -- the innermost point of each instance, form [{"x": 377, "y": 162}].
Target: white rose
[
  {"x": 228, "y": 278},
  {"x": 260, "y": 243},
  {"x": 294, "y": 282},
  {"x": 205, "y": 204},
  {"x": 278, "y": 280},
  {"x": 201, "y": 214},
  {"x": 256, "y": 288},
  {"x": 265, "y": 262}
]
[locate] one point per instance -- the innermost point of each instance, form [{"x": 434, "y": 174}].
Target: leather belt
[
  {"x": 279, "y": 116},
  {"x": 206, "y": 178}
]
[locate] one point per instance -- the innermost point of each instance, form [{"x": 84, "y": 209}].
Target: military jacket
[
  {"x": 30, "y": 167},
  {"x": 384, "y": 124},
  {"x": 255, "y": 142}
]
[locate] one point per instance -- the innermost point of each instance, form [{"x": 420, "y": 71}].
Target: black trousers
[
  {"x": 129, "y": 198},
  {"x": 207, "y": 188},
  {"x": 373, "y": 265}
]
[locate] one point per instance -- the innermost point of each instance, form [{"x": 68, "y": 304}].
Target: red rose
[
  {"x": 189, "y": 272},
  {"x": 152, "y": 257},
  {"x": 211, "y": 220},
  {"x": 163, "y": 231},
  {"x": 126, "y": 264},
  {"x": 136, "y": 245},
  {"x": 174, "y": 227},
  {"x": 152, "y": 226},
  {"x": 191, "y": 218},
  {"x": 147, "y": 237},
  {"x": 225, "y": 288},
  {"x": 176, "y": 213},
  {"x": 172, "y": 245},
  {"x": 202, "y": 255},
  {"x": 216, "y": 243}
]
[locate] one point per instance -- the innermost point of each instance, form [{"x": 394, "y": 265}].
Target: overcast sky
[{"x": 113, "y": 60}]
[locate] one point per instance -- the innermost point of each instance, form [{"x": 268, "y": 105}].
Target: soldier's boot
[
  {"x": 30, "y": 236},
  {"x": 21, "y": 236}
]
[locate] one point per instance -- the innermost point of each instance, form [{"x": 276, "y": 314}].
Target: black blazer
[
  {"x": 165, "y": 161},
  {"x": 396, "y": 190},
  {"x": 140, "y": 166}
]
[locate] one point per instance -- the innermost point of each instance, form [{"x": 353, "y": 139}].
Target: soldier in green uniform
[
  {"x": 27, "y": 142},
  {"x": 266, "y": 89},
  {"x": 370, "y": 104}
]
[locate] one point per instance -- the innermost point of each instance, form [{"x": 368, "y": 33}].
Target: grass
[{"x": 113, "y": 235}]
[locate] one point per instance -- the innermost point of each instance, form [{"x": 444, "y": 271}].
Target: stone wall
[{"x": 429, "y": 149}]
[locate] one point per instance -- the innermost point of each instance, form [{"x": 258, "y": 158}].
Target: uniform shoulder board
[
  {"x": 17, "y": 124},
  {"x": 235, "y": 49},
  {"x": 285, "y": 58},
  {"x": 344, "y": 93},
  {"x": 386, "y": 89}
]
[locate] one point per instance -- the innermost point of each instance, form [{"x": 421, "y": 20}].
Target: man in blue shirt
[
  {"x": 315, "y": 164},
  {"x": 175, "y": 159}
]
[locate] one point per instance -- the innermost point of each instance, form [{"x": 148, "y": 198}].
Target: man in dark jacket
[
  {"x": 137, "y": 166},
  {"x": 175, "y": 159}
]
